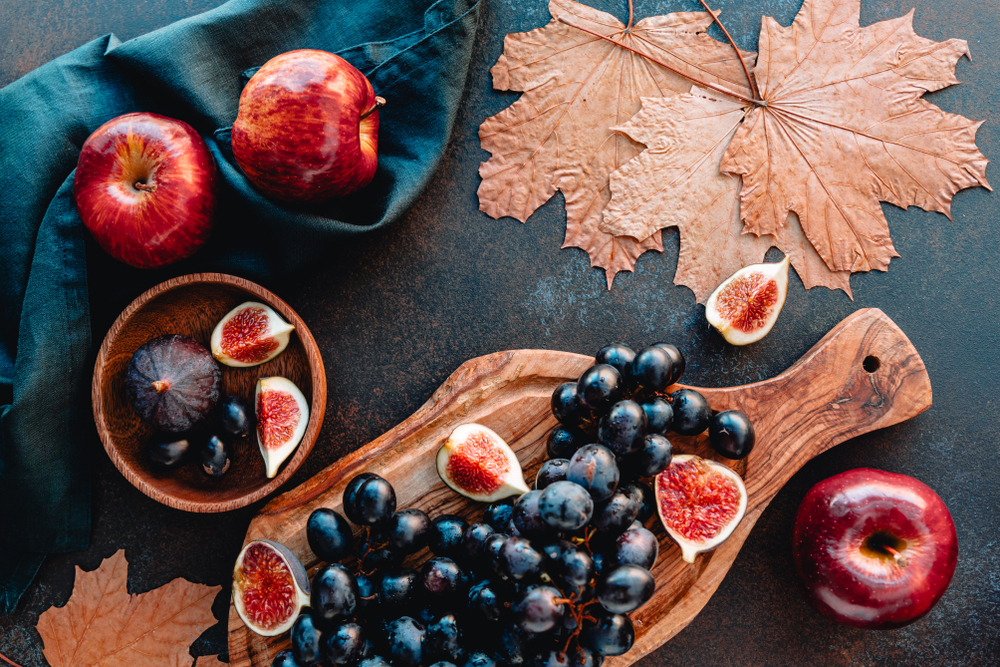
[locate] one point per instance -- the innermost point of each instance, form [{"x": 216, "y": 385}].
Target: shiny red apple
[
  {"x": 145, "y": 188},
  {"x": 874, "y": 549},
  {"x": 307, "y": 127}
]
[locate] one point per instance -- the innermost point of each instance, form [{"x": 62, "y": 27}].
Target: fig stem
[
  {"x": 160, "y": 386},
  {"x": 379, "y": 103},
  {"x": 8, "y": 660}
]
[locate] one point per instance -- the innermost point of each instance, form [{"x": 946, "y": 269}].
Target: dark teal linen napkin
[{"x": 416, "y": 54}]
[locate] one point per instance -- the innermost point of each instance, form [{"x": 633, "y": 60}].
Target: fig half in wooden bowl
[{"x": 192, "y": 306}]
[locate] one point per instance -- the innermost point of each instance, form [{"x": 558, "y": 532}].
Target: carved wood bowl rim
[{"x": 316, "y": 410}]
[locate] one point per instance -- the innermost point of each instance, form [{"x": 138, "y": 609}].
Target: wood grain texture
[
  {"x": 193, "y": 305},
  {"x": 825, "y": 398}
]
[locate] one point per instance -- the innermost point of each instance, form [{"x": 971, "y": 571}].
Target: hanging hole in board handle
[{"x": 871, "y": 364}]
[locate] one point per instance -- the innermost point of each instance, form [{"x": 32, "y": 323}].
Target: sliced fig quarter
[
  {"x": 250, "y": 334},
  {"x": 477, "y": 463},
  {"x": 700, "y": 503},
  {"x": 747, "y": 304},
  {"x": 270, "y": 587},
  {"x": 282, "y": 417}
]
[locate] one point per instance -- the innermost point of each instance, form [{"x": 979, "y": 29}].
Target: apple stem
[
  {"x": 379, "y": 102},
  {"x": 142, "y": 186},
  {"x": 898, "y": 557}
]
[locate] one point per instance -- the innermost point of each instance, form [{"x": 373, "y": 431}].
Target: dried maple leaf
[
  {"x": 103, "y": 626},
  {"x": 209, "y": 661},
  {"x": 676, "y": 181},
  {"x": 577, "y": 86},
  {"x": 845, "y": 127}
]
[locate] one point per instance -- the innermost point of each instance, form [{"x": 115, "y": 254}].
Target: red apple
[
  {"x": 307, "y": 127},
  {"x": 145, "y": 188},
  {"x": 875, "y": 549}
]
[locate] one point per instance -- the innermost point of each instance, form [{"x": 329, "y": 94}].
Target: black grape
[
  {"x": 644, "y": 496},
  {"x": 306, "y": 641},
  {"x": 445, "y": 537},
  {"x": 519, "y": 559},
  {"x": 566, "y": 506},
  {"x": 537, "y": 610},
  {"x": 442, "y": 579},
  {"x": 330, "y": 536},
  {"x": 609, "y": 634},
  {"x": 564, "y": 440},
  {"x": 600, "y": 387},
  {"x": 652, "y": 458},
  {"x": 566, "y": 405},
  {"x": 553, "y": 470},
  {"x": 334, "y": 593},
  {"x": 616, "y": 354},
  {"x": 444, "y": 640},
  {"x": 614, "y": 515},
  {"x": 625, "y": 588},
  {"x": 398, "y": 589},
  {"x": 731, "y": 434},
  {"x": 408, "y": 531},
  {"x": 691, "y": 412},
  {"x": 499, "y": 514},
  {"x": 659, "y": 415},
  {"x": 676, "y": 358},
  {"x": 369, "y": 499},
  {"x": 623, "y": 428},
  {"x": 636, "y": 546},
  {"x": 594, "y": 468},
  {"x": 527, "y": 519},
  {"x": 405, "y": 640},
  {"x": 344, "y": 644},
  {"x": 652, "y": 369}
]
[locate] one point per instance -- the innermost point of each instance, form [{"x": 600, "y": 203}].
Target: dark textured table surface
[{"x": 395, "y": 312}]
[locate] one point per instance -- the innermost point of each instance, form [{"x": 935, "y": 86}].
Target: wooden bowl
[{"x": 193, "y": 305}]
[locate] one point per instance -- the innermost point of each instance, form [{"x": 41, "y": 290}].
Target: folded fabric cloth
[{"x": 416, "y": 55}]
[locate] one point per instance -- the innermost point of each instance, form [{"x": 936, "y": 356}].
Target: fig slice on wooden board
[
  {"x": 270, "y": 587},
  {"x": 747, "y": 304},
  {"x": 700, "y": 503},
  {"x": 282, "y": 417},
  {"x": 250, "y": 334},
  {"x": 477, "y": 463}
]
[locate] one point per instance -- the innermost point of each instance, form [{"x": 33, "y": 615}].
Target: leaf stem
[
  {"x": 671, "y": 68},
  {"x": 746, "y": 70},
  {"x": 8, "y": 660},
  {"x": 629, "y": 26}
]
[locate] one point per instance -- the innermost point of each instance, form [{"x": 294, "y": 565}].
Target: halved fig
[
  {"x": 747, "y": 304},
  {"x": 282, "y": 417},
  {"x": 250, "y": 334},
  {"x": 270, "y": 587},
  {"x": 700, "y": 503},
  {"x": 477, "y": 463}
]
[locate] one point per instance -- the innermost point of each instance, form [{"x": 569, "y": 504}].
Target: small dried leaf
[
  {"x": 103, "y": 626},
  {"x": 209, "y": 661},
  {"x": 576, "y": 86}
]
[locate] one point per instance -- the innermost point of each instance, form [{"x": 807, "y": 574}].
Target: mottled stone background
[{"x": 397, "y": 311}]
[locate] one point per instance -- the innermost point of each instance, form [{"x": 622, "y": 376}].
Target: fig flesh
[
  {"x": 250, "y": 334},
  {"x": 476, "y": 462},
  {"x": 173, "y": 383},
  {"x": 282, "y": 417},
  {"x": 747, "y": 304},
  {"x": 270, "y": 587},
  {"x": 700, "y": 503}
]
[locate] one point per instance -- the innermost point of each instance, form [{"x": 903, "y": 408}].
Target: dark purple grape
[
  {"x": 215, "y": 456},
  {"x": 473, "y": 540},
  {"x": 553, "y": 470},
  {"x": 564, "y": 440},
  {"x": 408, "y": 531},
  {"x": 499, "y": 514},
  {"x": 652, "y": 458},
  {"x": 479, "y": 659},
  {"x": 691, "y": 412},
  {"x": 329, "y": 535},
  {"x": 599, "y": 387},
  {"x": 608, "y": 634},
  {"x": 676, "y": 358},
  {"x": 519, "y": 559},
  {"x": 566, "y": 405},
  {"x": 442, "y": 578},
  {"x": 644, "y": 496},
  {"x": 652, "y": 368},
  {"x": 484, "y": 603},
  {"x": 235, "y": 417},
  {"x": 369, "y": 499},
  {"x": 444, "y": 640},
  {"x": 286, "y": 659},
  {"x": 572, "y": 565},
  {"x": 618, "y": 355},
  {"x": 527, "y": 518},
  {"x": 659, "y": 415},
  {"x": 168, "y": 450},
  {"x": 399, "y": 588},
  {"x": 625, "y": 588},
  {"x": 636, "y": 546},
  {"x": 565, "y": 506},
  {"x": 538, "y": 609},
  {"x": 367, "y": 594},
  {"x": 614, "y": 515},
  {"x": 623, "y": 428},
  {"x": 344, "y": 644},
  {"x": 306, "y": 641},
  {"x": 594, "y": 468},
  {"x": 381, "y": 558},
  {"x": 334, "y": 593},
  {"x": 731, "y": 434},
  {"x": 514, "y": 645},
  {"x": 489, "y": 562},
  {"x": 405, "y": 641},
  {"x": 445, "y": 536}
]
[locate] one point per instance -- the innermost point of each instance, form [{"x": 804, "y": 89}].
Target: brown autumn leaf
[
  {"x": 576, "y": 87},
  {"x": 676, "y": 181},
  {"x": 209, "y": 661},
  {"x": 845, "y": 127},
  {"x": 103, "y": 626}
]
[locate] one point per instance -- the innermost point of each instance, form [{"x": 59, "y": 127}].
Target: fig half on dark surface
[{"x": 173, "y": 383}]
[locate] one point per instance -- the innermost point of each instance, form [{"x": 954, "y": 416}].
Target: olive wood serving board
[{"x": 863, "y": 375}]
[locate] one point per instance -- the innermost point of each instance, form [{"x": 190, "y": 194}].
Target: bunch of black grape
[
  {"x": 620, "y": 405},
  {"x": 521, "y": 588}
]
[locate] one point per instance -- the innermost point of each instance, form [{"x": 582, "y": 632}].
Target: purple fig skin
[{"x": 173, "y": 382}]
